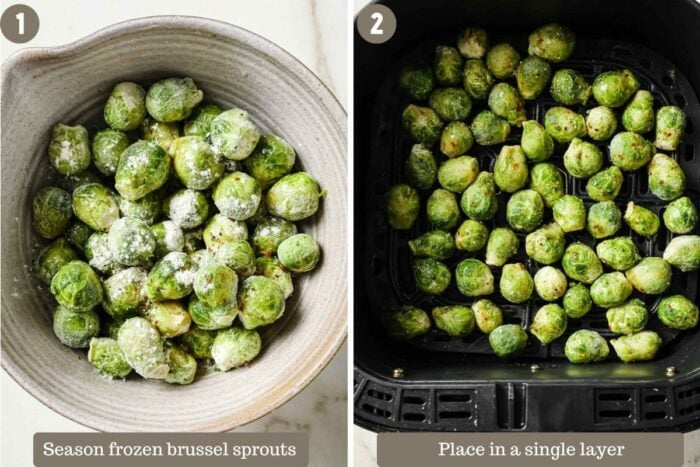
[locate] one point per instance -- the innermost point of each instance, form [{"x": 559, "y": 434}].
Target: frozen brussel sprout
[
  {"x": 198, "y": 342},
  {"x": 477, "y": 79},
  {"x": 436, "y": 244},
  {"x": 666, "y": 178},
  {"x": 458, "y": 173},
  {"x": 614, "y": 88},
  {"x": 107, "y": 146},
  {"x": 182, "y": 366},
  {"x": 126, "y": 107},
  {"x": 516, "y": 283},
  {"x": 683, "y": 252},
  {"x": 550, "y": 283},
  {"x": 536, "y": 142},
  {"x": 143, "y": 348},
  {"x": 406, "y": 322},
  {"x": 552, "y": 42},
  {"x": 216, "y": 285},
  {"x": 611, "y": 289},
  {"x": 488, "y": 315},
  {"x": 630, "y": 151},
  {"x": 233, "y": 134},
  {"x": 451, "y": 103},
  {"x": 508, "y": 340},
  {"x": 51, "y": 209},
  {"x": 564, "y": 124},
  {"x": 604, "y": 219},
  {"x": 479, "y": 200},
  {"x": 640, "y": 219},
  {"x": 235, "y": 347},
  {"x": 570, "y": 213},
  {"x": 619, "y": 253},
  {"x": 510, "y": 170},
  {"x": 549, "y": 323},
  {"x": 577, "y": 301},
  {"x": 681, "y": 216},
  {"x": 532, "y": 76},
  {"x": 447, "y": 65},
  {"x": 143, "y": 167},
  {"x": 569, "y": 87},
  {"x": 474, "y": 278},
  {"x": 581, "y": 264},
  {"x": 131, "y": 242},
  {"x": 628, "y": 318},
  {"x": 489, "y": 129},
  {"x": 601, "y": 123},
  {"x": 546, "y": 180},
  {"x": 188, "y": 208},
  {"x": 582, "y": 159},
  {"x": 677, "y": 312},
  {"x": 208, "y": 318},
  {"x": 75, "y": 328},
  {"x": 106, "y": 355},
  {"x": 546, "y": 244},
  {"x": 504, "y": 101},
  {"x": 195, "y": 163},
  {"x": 471, "y": 236},
  {"x": 162, "y": 134},
  {"x": 78, "y": 234},
  {"x": 271, "y": 159},
  {"x": 637, "y": 347},
  {"x": 169, "y": 318},
  {"x": 199, "y": 122},
  {"x": 605, "y": 185},
  {"x": 431, "y": 276},
  {"x": 99, "y": 255},
  {"x": 220, "y": 229},
  {"x": 293, "y": 197},
  {"x": 299, "y": 253},
  {"x": 125, "y": 293},
  {"x": 69, "y": 149},
  {"x": 585, "y": 346},
  {"x": 54, "y": 257},
  {"x": 271, "y": 268},
  {"x": 260, "y": 302},
  {"x": 670, "y": 126},
  {"x": 456, "y": 139},
  {"x": 96, "y": 205},
  {"x": 473, "y": 42},
  {"x": 146, "y": 209},
  {"x": 402, "y": 206},
  {"x": 168, "y": 237},
  {"x": 525, "y": 210},
  {"x": 422, "y": 123},
  {"x": 76, "y": 287},
  {"x": 639, "y": 113},
  {"x": 269, "y": 233},
  {"x": 171, "y": 278},
  {"x": 501, "y": 246},
  {"x": 420, "y": 168},
  {"x": 502, "y": 60},
  {"x": 238, "y": 255},
  {"x": 172, "y": 99},
  {"x": 455, "y": 320},
  {"x": 442, "y": 209},
  {"x": 417, "y": 80}
]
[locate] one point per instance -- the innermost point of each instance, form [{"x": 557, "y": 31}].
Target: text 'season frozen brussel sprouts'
[{"x": 156, "y": 219}]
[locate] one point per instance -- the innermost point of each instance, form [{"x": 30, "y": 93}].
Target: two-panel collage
[{"x": 350, "y": 233}]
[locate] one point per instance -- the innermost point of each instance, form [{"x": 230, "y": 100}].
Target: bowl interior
[{"x": 235, "y": 68}]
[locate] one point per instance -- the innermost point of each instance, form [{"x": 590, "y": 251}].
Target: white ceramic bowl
[{"x": 234, "y": 68}]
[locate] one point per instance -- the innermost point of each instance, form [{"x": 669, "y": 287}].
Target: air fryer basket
[{"x": 436, "y": 382}]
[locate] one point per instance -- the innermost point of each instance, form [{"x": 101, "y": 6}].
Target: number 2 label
[{"x": 378, "y": 18}]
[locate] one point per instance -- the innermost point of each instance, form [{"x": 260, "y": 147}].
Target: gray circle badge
[
  {"x": 376, "y": 24},
  {"x": 19, "y": 23}
]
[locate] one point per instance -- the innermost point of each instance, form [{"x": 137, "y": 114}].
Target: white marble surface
[{"x": 315, "y": 32}]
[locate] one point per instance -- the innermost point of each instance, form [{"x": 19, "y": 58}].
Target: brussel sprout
[
  {"x": 99, "y": 255},
  {"x": 583, "y": 159},
  {"x": 604, "y": 219},
  {"x": 260, "y": 302},
  {"x": 637, "y": 347},
  {"x": 168, "y": 237},
  {"x": 585, "y": 346},
  {"x": 630, "y": 151},
  {"x": 106, "y": 355},
  {"x": 536, "y": 142},
  {"x": 216, "y": 285},
  {"x": 628, "y": 318},
  {"x": 546, "y": 244},
  {"x": 474, "y": 278},
  {"x": 601, "y": 123},
  {"x": 220, "y": 229},
  {"x": 605, "y": 185},
  {"x": 186, "y": 208},
  {"x": 611, "y": 289},
  {"x": 436, "y": 244},
  {"x": 510, "y": 170},
  {"x": 271, "y": 159},
  {"x": 614, "y": 88},
  {"x": 619, "y": 253},
  {"x": 293, "y": 197},
  {"x": 268, "y": 234},
  {"x": 489, "y": 129},
  {"x": 76, "y": 287},
  {"x": 420, "y": 168},
  {"x": 488, "y": 315},
  {"x": 569, "y": 87},
  {"x": 580, "y": 263},
  {"x": 162, "y": 134},
  {"x": 107, "y": 146},
  {"x": 422, "y": 123},
  {"x": 666, "y": 178},
  {"x": 456, "y": 139},
  {"x": 171, "y": 278},
  {"x": 525, "y": 210},
  {"x": 271, "y": 268},
  {"x": 143, "y": 348},
  {"x": 677, "y": 312},
  {"x": 182, "y": 366},
  {"x": 238, "y": 195},
  {"x": 479, "y": 200},
  {"x": 477, "y": 79},
  {"x": 54, "y": 257},
  {"x": 640, "y": 219},
  {"x": 235, "y": 347},
  {"x": 125, "y": 293},
  {"x": 447, "y": 65},
  {"x": 96, "y": 205},
  {"x": 681, "y": 216},
  {"x": 458, "y": 173},
  {"x": 51, "y": 209},
  {"x": 208, "y": 318},
  {"x": 564, "y": 124},
  {"x": 69, "y": 149},
  {"x": 532, "y": 76},
  {"x": 169, "y": 318},
  {"x": 125, "y": 108},
  {"x": 233, "y": 134},
  {"x": 172, "y": 99},
  {"x": 131, "y": 242},
  {"x": 143, "y": 167},
  {"x": 75, "y": 328},
  {"x": 442, "y": 209},
  {"x": 199, "y": 122},
  {"x": 451, "y": 103},
  {"x": 471, "y": 236},
  {"x": 501, "y": 246},
  {"x": 577, "y": 301},
  {"x": 546, "y": 180},
  {"x": 406, "y": 322},
  {"x": 504, "y": 101},
  {"x": 508, "y": 340},
  {"x": 683, "y": 252},
  {"x": 198, "y": 342},
  {"x": 552, "y": 42},
  {"x": 238, "y": 255},
  {"x": 78, "y": 233},
  {"x": 431, "y": 276},
  {"x": 195, "y": 163},
  {"x": 299, "y": 253},
  {"x": 502, "y": 60},
  {"x": 402, "y": 206},
  {"x": 516, "y": 283},
  {"x": 549, "y": 323},
  {"x": 147, "y": 209},
  {"x": 473, "y": 42},
  {"x": 417, "y": 80},
  {"x": 455, "y": 320},
  {"x": 639, "y": 113},
  {"x": 670, "y": 126},
  {"x": 570, "y": 213},
  {"x": 550, "y": 283}
]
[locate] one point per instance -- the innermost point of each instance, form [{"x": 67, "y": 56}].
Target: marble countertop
[{"x": 314, "y": 31}]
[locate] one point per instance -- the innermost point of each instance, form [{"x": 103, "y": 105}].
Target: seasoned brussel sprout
[
  {"x": 125, "y": 293},
  {"x": 504, "y": 101},
  {"x": 488, "y": 315},
  {"x": 238, "y": 195},
  {"x": 125, "y": 108},
  {"x": 552, "y": 42},
  {"x": 619, "y": 253},
  {"x": 447, "y": 65},
  {"x": 604, "y": 219},
  {"x": 96, "y": 205},
  {"x": 233, "y": 134},
  {"x": 271, "y": 268},
  {"x": 549, "y": 323},
  {"x": 198, "y": 342},
  {"x": 577, "y": 301},
  {"x": 681, "y": 216},
  {"x": 570, "y": 213},
  {"x": 54, "y": 257},
  {"x": 182, "y": 366},
  {"x": 477, "y": 79},
  {"x": 187, "y": 208},
  {"x": 293, "y": 197},
  {"x": 162, "y": 134},
  {"x": 532, "y": 76},
  {"x": 605, "y": 185},
  {"x": 502, "y": 60},
  {"x": 402, "y": 206},
  {"x": 442, "y": 209},
  {"x": 670, "y": 126},
  {"x": 267, "y": 236},
  {"x": 75, "y": 328},
  {"x": 508, "y": 340},
  {"x": 143, "y": 167},
  {"x": 550, "y": 283},
  {"x": 458, "y": 173},
  {"x": 170, "y": 318},
  {"x": 683, "y": 252},
  {"x": 479, "y": 200},
  {"x": 421, "y": 169},
  {"x": 106, "y": 355},
  {"x": 471, "y": 236},
  {"x": 536, "y": 142},
  {"x": 474, "y": 278},
  {"x": 220, "y": 229},
  {"x": 516, "y": 283},
  {"x": 569, "y": 87},
  {"x": 260, "y": 302},
  {"x": 601, "y": 123},
  {"x": 639, "y": 113},
  {"x": 76, "y": 287},
  {"x": 677, "y": 312},
  {"x": 271, "y": 159},
  {"x": 546, "y": 244},
  {"x": 69, "y": 149},
  {"x": 640, "y": 219},
  {"x": 666, "y": 178},
  {"x": 580, "y": 263},
  {"x": 456, "y": 139},
  {"x": 628, "y": 318},
  {"x": 238, "y": 255},
  {"x": 585, "y": 346},
  {"x": 235, "y": 347},
  {"x": 147, "y": 209},
  {"x": 525, "y": 210},
  {"x": 501, "y": 246},
  {"x": 436, "y": 244},
  {"x": 51, "y": 209},
  {"x": 107, "y": 146},
  {"x": 582, "y": 159},
  {"x": 564, "y": 124},
  {"x": 422, "y": 124},
  {"x": 131, "y": 242},
  {"x": 216, "y": 285},
  {"x": 171, "y": 278},
  {"x": 637, "y": 347},
  {"x": 417, "y": 80},
  {"x": 168, "y": 237},
  {"x": 473, "y": 42},
  {"x": 172, "y": 99},
  {"x": 78, "y": 234},
  {"x": 489, "y": 129},
  {"x": 406, "y": 322},
  {"x": 299, "y": 253},
  {"x": 143, "y": 348},
  {"x": 614, "y": 88},
  {"x": 431, "y": 276},
  {"x": 455, "y": 320},
  {"x": 99, "y": 255},
  {"x": 195, "y": 163},
  {"x": 546, "y": 180},
  {"x": 199, "y": 122},
  {"x": 630, "y": 151},
  {"x": 510, "y": 170},
  {"x": 208, "y": 318},
  {"x": 611, "y": 289}
]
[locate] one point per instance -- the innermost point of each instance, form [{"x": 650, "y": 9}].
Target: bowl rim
[{"x": 234, "y": 32}]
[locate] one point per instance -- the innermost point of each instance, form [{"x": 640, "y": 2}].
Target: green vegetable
[
  {"x": 585, "y": 346},
  {"x": 143, "y": 348},
  {"x": 147, "y": 209},
  {"x": 171, "y": 278},
  {"x": 125, "y": 108},
  {"x": 639, "y": 113},
  {"x": 198, "y": 342},
  {"x": 577, "y": 301},
  {"x": 162, "y": 134},
  {"x": 417, "y": 81},
  {"x": 431, "y": 276},
  {"x": 516, "y": 283},
  {"x": 549, "y": 323},
  {"x": 605, "y": 185},
  {"x": 510, "y": 170},
  {"x": 677, "y": 312},
  {"x": 78, "y": 234},
  {"x": 570, "y": 213},
  {"x": 583, "y": 159},
  {"x": 420, "y": 168},
  {"x": 106, "y": 355},
  {"x": 477, "y": 80},
  {"x": 168, "y": 237},
  {"x": 169, "y": 318},
  {"x": 69, "y": 149},
  {"x": 604, "y": 219},
  {"x": 458, "y": 173},
  {"x": 502, "y": 60},
  {"x": 508, "y": 340},
  {"x": 525, "y": 210},
  {"x": 552, "y": 42},
  {"x": 614, "y": 88},
  {"x": 666, "y": 178},
  {"x": 683, "y": 252},
  {"x": 630, "y": 151},
  {"x": 195, "y": 163},
  {"x": 536, "y": 142},
  {"x": 670, "y": 126},
  {"x": 550, "y": 283},
  {"x": 107, "y": 147},
  {"x": 52, "y": 258},
  {"x": 436, "y": 244},
  {"x": 272, "y": 269},
  {"x": 422, "y": 124},
  {"x": 455, "y": 320},
  {"x": 233, "y": 134},
  {"x": 681, "y": 216},
  {"x": 238, "y": 255},
  {"x": 208, "y": 318},
  {"x": 182, "y": 366},
  {"x": 569, "y": 87},
  {"x": 501, "y": 246},
  {"x": 299, "y": 253},
  {"x": 564, "y": 124},
  {"x": 99, "y": 255},
  {"x": 474, "y": 278},
  {"x": 637, "y": 347},
  {"x": 581, "y": 264},
  {"x": 172, "y": 99},
  {"x": 131, "y": 242},
  {"x": 601, "y": 123},
  {"x": 271, "y": 159},
  {"x": 504, "y": 101},
  {"x": 442, "y": 209},
  {"x": 76, "y": 287},
  {"x": 473, "y": 43},
  {"x": 628, "y": 318},
  {"x": 640, "y": 219},
  {"x": 220, "y": 230},
  {"x": 546, "y": 180},
  {"x": 216, "y": 285},
  {"x": 532, "y": 76},
  {"x": 406, "y": 322},
  {"x": 447, "y": 65},
  {"x": 471, "y": 236},
  {"x": 51, "y": 210},
  {"x": 260, "y": 302},
  {"x": 456, "y": 139},
  {"x": 199, "y": 122},
  {"x": 124, "y": 293},
  {"x": 611, "y": 289},
  {"x": 235, "y": 347},
  {"x": 489, "y": 129},
  {"x": 479, "y": 200},
  {"x": 619, "y": 253},
  {"x": 269, "y": 233},
  {"x": 488, "y": 315},
  {"x": 143, "y": 167},
  {"x": 402, "y": 206},
  {"x": 293, "y": 197},
  {"x": 546, "y": 244},
  {"x": 74, "y": 328}
]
